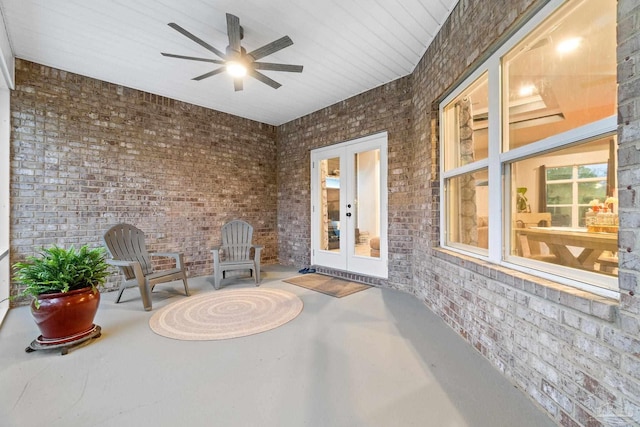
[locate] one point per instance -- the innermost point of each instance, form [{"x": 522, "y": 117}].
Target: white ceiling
[{"x": 346, "y": 47}]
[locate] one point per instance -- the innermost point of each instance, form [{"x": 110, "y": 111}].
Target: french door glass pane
[
  {"x": 329, "y": 204},
  {"x": 366, "y": 209}
]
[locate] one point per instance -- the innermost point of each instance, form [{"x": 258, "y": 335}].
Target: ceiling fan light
[{"x": 236, "y": 69}]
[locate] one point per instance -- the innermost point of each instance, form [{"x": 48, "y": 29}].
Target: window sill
[{"x": 583, "y": 301}]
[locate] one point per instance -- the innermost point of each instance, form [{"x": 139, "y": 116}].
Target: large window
[{"x": 529, "y": 150}]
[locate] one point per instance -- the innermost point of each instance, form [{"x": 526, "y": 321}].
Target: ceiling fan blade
[
  {"x": 202, "y": 43},
  {"x": 277, "y": 67},
  {"x": 209, "y": 74},
  {"x": 264, "y": 79},
  {"x": 192, "y": 58},
  {"x": 270, "y": 48},
  {"x": 233, "y": 30},
  {"x": 237, "y": 84}
]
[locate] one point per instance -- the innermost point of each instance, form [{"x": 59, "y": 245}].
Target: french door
[{"x": 349, "y": 206}]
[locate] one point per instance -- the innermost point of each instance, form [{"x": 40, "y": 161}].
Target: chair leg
[
  {"x": 256, "y": 273},
  {"x": 145, "y": 292},
  {"x": 186, "y": 287},
  {"x": 217, "y": 279},
  {"x": 122, "y": 288}
]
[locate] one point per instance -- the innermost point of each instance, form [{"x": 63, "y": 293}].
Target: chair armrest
[
  {"x": 175, "y": 255},
  {"x": 167, "y": 254},
  {"x": 135, "y": 265},
  {"x": 216, "y": 259},
  {"x": 215, "y": 250},
  {"x": 122, "y": 263}
]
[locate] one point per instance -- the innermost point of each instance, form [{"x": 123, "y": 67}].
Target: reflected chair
[
  {"x": 235, "y": 252},
  {"x": 531, "y": 249},
  {"x": 608, "y": 262},
  {"x": 374, "y": 245},
  {"x": 126, "y": 246}
]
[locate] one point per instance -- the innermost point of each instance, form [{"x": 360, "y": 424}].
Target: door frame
[
  {"x": 5, "y": 269},
  {"x": 346, "y": 259}
]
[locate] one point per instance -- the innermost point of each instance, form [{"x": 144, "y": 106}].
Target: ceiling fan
[{"x": 235, "y": 60}]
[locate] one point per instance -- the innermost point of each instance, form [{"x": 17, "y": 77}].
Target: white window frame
[
  {"x": 7, "y": 83},
  {"x": 498, "y": 163}
]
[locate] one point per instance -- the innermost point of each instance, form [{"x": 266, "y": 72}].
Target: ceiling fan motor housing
[{"x": 231, "y": 53}]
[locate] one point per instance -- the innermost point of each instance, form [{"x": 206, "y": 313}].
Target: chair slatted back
[
  {"x": 127, "y": 243},
  {"x": 236, "y": 240}
]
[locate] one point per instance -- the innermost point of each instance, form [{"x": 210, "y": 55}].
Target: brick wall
[{"x": 86, "y": 154}]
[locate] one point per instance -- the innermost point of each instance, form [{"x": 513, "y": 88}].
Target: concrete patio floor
[{"x": 374, "y": 358}]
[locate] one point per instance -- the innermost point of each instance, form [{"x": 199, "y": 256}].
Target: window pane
[
  {"x": 468, "y": 209},
  {"x": 592, "y": 171},
  {"x": 561, "y": 216},
  {"x": 588, "y": 191},
  {"x": 559, "y": 194},
  {"x": 466, "y": 124},
  {"x": 554, "y": 174},
  {"x": 566, "y": 222},
  {"x": 563, "y": 75},
  {"x": 583, "y": 215}
]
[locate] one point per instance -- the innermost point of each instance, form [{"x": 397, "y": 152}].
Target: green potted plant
[{"x": 64, "y": 285}]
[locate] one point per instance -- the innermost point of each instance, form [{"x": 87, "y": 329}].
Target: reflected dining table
[{"x": 561, "y": 239}]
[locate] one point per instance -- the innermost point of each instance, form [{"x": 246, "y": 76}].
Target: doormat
[{"x": 327, "y": 285}]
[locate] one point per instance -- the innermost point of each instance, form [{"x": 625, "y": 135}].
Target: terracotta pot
[{"x": 66, "y": 315}]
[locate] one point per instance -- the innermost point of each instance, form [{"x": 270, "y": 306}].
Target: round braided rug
[{"x": 226, "y": 314}]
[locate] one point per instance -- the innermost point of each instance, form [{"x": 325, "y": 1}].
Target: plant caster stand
[{"x": 64, "y": 344}]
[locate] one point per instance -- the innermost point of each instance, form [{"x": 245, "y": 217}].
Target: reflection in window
[
  {"x": 329, "y": 203},
  {"x": 467, "y": 199},
  {"x": 572, "y": 189},
  {"x": 563, "y": 75},
  {"x": 467, "y": 125},
  {"x": 559, "y": 225},
  {"x": 367, "y": 207}
]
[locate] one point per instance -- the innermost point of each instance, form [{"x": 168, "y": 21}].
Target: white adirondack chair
[
  {"x": 235, "y": 252},
  {"x": 126, "y": 246}
]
